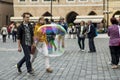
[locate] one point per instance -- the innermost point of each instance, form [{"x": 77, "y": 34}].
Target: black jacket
[
  {"x": 92, "y": 32},
  {"x": 21, "y": 33}
]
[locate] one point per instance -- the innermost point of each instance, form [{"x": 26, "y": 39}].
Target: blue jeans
[{"x": 26, "y": 58}]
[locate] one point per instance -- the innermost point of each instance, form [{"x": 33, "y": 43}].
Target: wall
[{"x": 5, "y": 10}]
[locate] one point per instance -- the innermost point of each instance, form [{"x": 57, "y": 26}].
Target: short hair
[
  {"x": 40, "y": 18},
  {"x": 26, "y": 13},
  {"x": 90, "y": 21},
  {"x": 47, "y": 21},
  {"x": 114, "y": 20},
  {"x": 83, "y": 22},
  {"x": 61, "y": 18}
]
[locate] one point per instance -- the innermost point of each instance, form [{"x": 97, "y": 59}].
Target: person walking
[
  {"x": 61, "y": 37},
  {"x": 40, "y": 39},
  {"x": 114, "y": 42},
  {"x": 81, "y": 33},
  {"x": 91, "y": 33},
  {"x": 9, "y": 31},
  {"x": 25, "y": 41},
  {"x": 14, "y": 33},
  {"x": 4, "y": 33}
]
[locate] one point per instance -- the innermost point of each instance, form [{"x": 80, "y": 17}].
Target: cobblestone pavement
[{"x": 72, "y": 65}]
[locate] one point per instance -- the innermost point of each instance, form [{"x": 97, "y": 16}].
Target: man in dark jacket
[
  {"x": 25, "y": 40},
  {"x": 91, "y": 34}
]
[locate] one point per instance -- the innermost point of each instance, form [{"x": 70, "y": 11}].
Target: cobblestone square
[{"x": 72, "y": 65}]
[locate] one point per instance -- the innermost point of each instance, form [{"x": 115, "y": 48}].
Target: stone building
[
  {"x": 114, "y": 9},
  {"x": 69, "y": 9},
  {"x": 6, "y": 11}
]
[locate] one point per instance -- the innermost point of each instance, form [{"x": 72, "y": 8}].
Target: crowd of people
[
  {"x": 8, "y": 31},
  {"x": 28, "y": 38}
]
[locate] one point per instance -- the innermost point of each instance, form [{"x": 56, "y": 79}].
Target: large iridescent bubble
[{"x": 54, "y": 32}]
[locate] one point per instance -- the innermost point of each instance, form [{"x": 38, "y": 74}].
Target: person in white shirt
[
  {"x": 81, "y": 33},
  {"x": 4, "y": 33}
]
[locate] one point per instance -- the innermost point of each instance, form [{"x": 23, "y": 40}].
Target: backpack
[
  {"x": 3, "y": 32},
  {"x": 96, "y": 33}
]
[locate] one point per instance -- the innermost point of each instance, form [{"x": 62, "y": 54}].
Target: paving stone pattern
[{"x": 72, "y": 65}]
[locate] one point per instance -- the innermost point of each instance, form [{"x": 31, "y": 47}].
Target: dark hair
[
  {"x": 83, "y": 22},
  {"x": 26, "y": 13},
  {"x": 61, "y": 18},
  {"x": 52, "y": 20},
  {"x": 47, "y": 21},
  {"x": 40, "y": 18},
  {"x": 114, "y": 20}
]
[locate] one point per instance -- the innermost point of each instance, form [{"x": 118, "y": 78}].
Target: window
[
  {"x": 49, "y": 0},
  {"x": 70, "y": 0},
  {"x": 21, "y": 0},
  {"x": 34, "y": 0},
  {"x": 96, "y": 0},
  {"x": 83, "y": 0}
]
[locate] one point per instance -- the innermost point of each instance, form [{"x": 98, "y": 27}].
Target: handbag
[{"x": 33, "y": 48}]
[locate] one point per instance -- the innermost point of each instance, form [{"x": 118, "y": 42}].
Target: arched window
[
  {"x": 116, "y": 13},
  {"x": 92, "y": 13},
  {"x": 47, "y": 14},
  {"x": 71, "y": 17}
]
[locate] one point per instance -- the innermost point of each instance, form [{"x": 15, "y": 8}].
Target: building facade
[
  {"x": 114, "y": 9},
  {"x": 6, "y": 11},
  {"x": 68, "y": 9}
]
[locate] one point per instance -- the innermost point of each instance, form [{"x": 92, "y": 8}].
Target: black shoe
[
  {"x": 31, "y": 73},
  {"x": 49, "y": 70},
  {"x": 18, "y": 68}
]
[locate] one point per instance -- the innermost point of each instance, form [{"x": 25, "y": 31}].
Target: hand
[
  {"x": 34, "y": 45},
  {"x": 19, "y": 49}
]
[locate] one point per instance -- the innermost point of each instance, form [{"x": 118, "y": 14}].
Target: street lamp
[
  {"x": 106, "y": 10},
  {"x": 104, "y": 21},
  {"x": 107, "y": 13},
  {"x": 51, "y": 9}
]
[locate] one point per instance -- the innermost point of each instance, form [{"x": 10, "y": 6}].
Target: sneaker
[
  {"x": 49, "y": 70},
  {"x": 82, "y": 50},
  {"x": 114, "y": 67},
  {"x": 119, "y": 64},
  {"x": 19, "y": 70}
]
